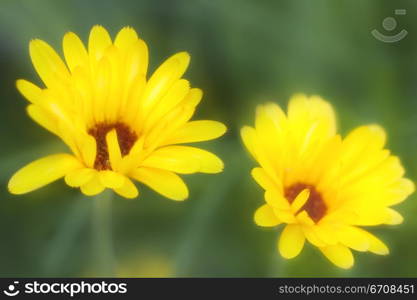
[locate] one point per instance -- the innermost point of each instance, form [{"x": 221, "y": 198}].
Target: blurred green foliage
[{"x": 243, "y": 53}]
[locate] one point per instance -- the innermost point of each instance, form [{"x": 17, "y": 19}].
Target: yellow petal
[
  {"x": 168, "y": 125},
  {"x": 368, "y": 135},
  {"x": 48, "y": 64},
  {"x": 300, "y": 200},
  {"x": 74, "y": 51},
  {"x": 264, "y": 216},
  {"x": 304, "y": 219},
  {"x": 102, "y": 83},
  {"x": 92, "y": 187},
  {"x": 291, "y": 241},
  {"x": 338, "y": 254},
  {"x": 29, "y": 90},
  {"x": 118, "y": 88},
  {"x": 41, "y": 172},
  {"x": 88, "y": 150},
  {"x": 125, "y": 38},
  {"x": 262, "y": 178},
  {"x": 269, "y": 118},
  {"x": 68, "y": 134},
  {"x": 193, "y": 98},
  {"x": 197, "y": 131},
  {"x": 328, "y": 158},
  {"x": 311, "y": 235},
  {"x": 162, "y": 79},
  {"x": 304, "y": 111},
  {"x": 172, "y": 162},
  {"x": 132, "y": 112},
  {"x": 353, "y": 237},
  {"x": 111, "y": 179},
  {"x": 83, "y": 93},
  {"x": 43, "y": 118},
  {"x": 113, "y": 148},
  {"x": 136, "y": 61},
  {"x": 185, "y": 160},
  {"x": 393, "y": 217},
  {"x": 175, "y": 94},
  {"x": 277, "y": 200},
  {"x": 133, "y": 159},
  {"x": 57, "y": 108},
  {"x": 285, "y": 216},
  {"x": 98, "y": 42},
  {"x": 248, "y": 135},
  {"x": 251, "y": 141},
  {"x": 127, "y": 190},
  {"x": 164, "y": 182},
  {"x": 363, "y": 157},
  {"x": 326, "y": 233},
  {"x": 79, "y": 177},
  {"x": 399, "y": 191},
  {"x": 375, "y": 245},
  {"x": 265, "y": 181},
  {"x": 270, "y": 124}
]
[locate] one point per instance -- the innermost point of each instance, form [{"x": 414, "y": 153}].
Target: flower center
[
  {"x": 315, "y": 206},
  {"x": 125, "y": 137}
]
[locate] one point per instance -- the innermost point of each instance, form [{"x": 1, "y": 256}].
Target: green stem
[
  {"x": 102, "y": 234},
  {"x": 202, "y": 217},
  {"x": 66, "y": 234},
  {"x": 277, "y": 265}
]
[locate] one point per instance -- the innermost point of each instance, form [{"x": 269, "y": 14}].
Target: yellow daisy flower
[
  {"x": 118, "y": 124},
  {"x": 321, "y": 186}
]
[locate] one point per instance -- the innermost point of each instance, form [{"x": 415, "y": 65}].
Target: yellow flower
[
  {"x": 322, "y": 186},
  {"x": 117, "y": 123}
]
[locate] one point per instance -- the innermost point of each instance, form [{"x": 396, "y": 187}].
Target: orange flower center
[
  {"x": 314, "y": 206},
  {"x": 125, "y": 136}
]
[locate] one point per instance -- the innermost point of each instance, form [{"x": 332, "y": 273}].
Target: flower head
[
  {"x": 321, "y": 186},
  {"x": 118, "y": 124}
]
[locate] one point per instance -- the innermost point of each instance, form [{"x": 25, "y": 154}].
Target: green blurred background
[{"x": 243, "y": 53}]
